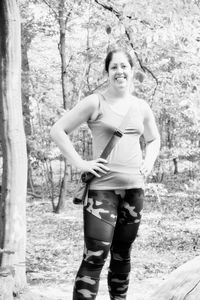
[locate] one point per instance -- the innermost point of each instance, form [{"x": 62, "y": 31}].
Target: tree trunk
[
  {"x": 175, "y": 161},
  {"x": 182, "y": 284},
  {"x": 62, "y": 48},
  {"x": 26, "y": 100},
  {"x": 25, "y": 85},
  {"x": 63, "y": 190},
  {"x": 13, "y": 199}
]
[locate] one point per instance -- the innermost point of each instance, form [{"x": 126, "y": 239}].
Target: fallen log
[{"x": 182, "y": 284}]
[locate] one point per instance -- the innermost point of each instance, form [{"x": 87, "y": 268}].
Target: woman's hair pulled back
[{"x": 110, "y": 56}]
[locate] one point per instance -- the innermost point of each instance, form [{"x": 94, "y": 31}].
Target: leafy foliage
[{"x": 163, "y": 38}]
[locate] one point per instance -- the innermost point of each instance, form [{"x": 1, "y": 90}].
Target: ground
[{"x": 167, "y": 238}]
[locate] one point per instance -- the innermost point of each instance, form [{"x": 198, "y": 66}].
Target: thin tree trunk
[
  {"x": 63, "y": 190},
  {"x": 175, "y": 162},
  {"x": 12, "y": 203},
  {"x": 25, "y": 86},
  {"x": 62, "y": 48},
  {"x": 26, "y": 101}
]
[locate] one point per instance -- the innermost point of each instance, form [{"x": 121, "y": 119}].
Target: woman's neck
[{"x": 117, "y": 95}]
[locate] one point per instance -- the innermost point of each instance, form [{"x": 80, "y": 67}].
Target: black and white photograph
[{"x": 99, "y": 150}]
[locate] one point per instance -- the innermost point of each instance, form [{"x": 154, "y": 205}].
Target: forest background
[{"x": 64, "y": 44}]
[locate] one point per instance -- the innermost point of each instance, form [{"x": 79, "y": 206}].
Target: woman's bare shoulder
[
  {"x": 91, "y": 105},
  {"x": 140, "y": 101},
  {"x": 91, "y": 101},
  {"x": 143, "y": 106}
]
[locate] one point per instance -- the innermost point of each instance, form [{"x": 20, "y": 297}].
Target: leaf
[
  {"x": 139, "y": 76},
  {"x": 108, "y": 29}
]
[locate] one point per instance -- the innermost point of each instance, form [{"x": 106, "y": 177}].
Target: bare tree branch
[
  {"x": 68, "y": 16},
  {"x": 110, "y": 8},
  {"x": 98, "y": 86},
  {"x": 51, "y": 7},
  {"x": 144, "y": 68},
  {"x": 118, "y": 14}
]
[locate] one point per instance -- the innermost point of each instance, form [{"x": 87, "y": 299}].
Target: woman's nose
[{"x": 119, "y": 69}]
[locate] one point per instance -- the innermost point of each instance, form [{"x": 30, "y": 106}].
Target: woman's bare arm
[
  {"x": 152, "y": 139},
  {"x": 82, "y": 112}
]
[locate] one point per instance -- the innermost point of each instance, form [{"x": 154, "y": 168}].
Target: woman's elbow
[
  {"x": 157, "y": 140},
  {"x": 57, "y": 131},
  {"x": 154, "y": 139}
]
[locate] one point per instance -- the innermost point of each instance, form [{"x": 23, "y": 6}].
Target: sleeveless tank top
[{"x": 125, "y": 159}]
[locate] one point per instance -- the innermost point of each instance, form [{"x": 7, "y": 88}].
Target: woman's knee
[
  {"x": 95, "y": 251},
  {"x": 120, "y": 257},
  {"x": 94, "y": 257}
]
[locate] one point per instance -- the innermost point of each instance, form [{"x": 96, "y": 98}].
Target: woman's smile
[
  {"x": 120, "y": 76},
  {"x": 121, "y": 80}
]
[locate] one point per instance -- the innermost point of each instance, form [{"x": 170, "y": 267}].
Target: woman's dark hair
[{"x": 110, "y": 56}]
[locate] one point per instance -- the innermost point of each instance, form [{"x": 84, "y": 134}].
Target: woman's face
[{"x": 120, "y": 72}]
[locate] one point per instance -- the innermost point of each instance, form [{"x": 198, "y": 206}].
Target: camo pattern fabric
[
  {"x": 103, "y": 205},
  {"x": 111, "y": 222},
  {"x": 118, "y": 285},
  {"x": 110, "y": 205}
]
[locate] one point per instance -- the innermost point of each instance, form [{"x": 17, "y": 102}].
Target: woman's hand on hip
[
  {"x": 146, "y": 169},
  {"x": 95, "y": 166}
]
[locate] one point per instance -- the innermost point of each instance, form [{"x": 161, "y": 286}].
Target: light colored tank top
[{"x": 125, "y": 159}]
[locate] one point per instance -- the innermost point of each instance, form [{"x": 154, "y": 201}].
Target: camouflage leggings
[{"x": 111, "y": 222}]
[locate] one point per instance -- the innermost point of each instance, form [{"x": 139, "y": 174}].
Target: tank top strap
[
  {"x": 136, "y": 105},
  {"x": 102, "y": 104}
]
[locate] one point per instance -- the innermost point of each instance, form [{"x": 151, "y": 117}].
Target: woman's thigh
[
  {"x": 107, "y": 212},
  {"x": 129, "y": 215},
  {"x": 100, "y": 214}
]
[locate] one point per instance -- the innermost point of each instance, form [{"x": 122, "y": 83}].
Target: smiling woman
[
  {"x": 112, "y": 210},
  {"x": 119, "y": 67}
]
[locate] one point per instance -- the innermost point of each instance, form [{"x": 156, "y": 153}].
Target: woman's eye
[{"x": 122, "y": 67}]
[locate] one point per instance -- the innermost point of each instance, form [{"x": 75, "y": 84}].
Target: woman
[{"x": 112, "y": 212}]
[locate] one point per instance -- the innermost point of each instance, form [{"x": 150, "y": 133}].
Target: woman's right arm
[{"x": 82, "y": 112}]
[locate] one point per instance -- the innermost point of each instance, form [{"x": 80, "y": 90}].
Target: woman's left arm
[{"x": 152, "y": 139}]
